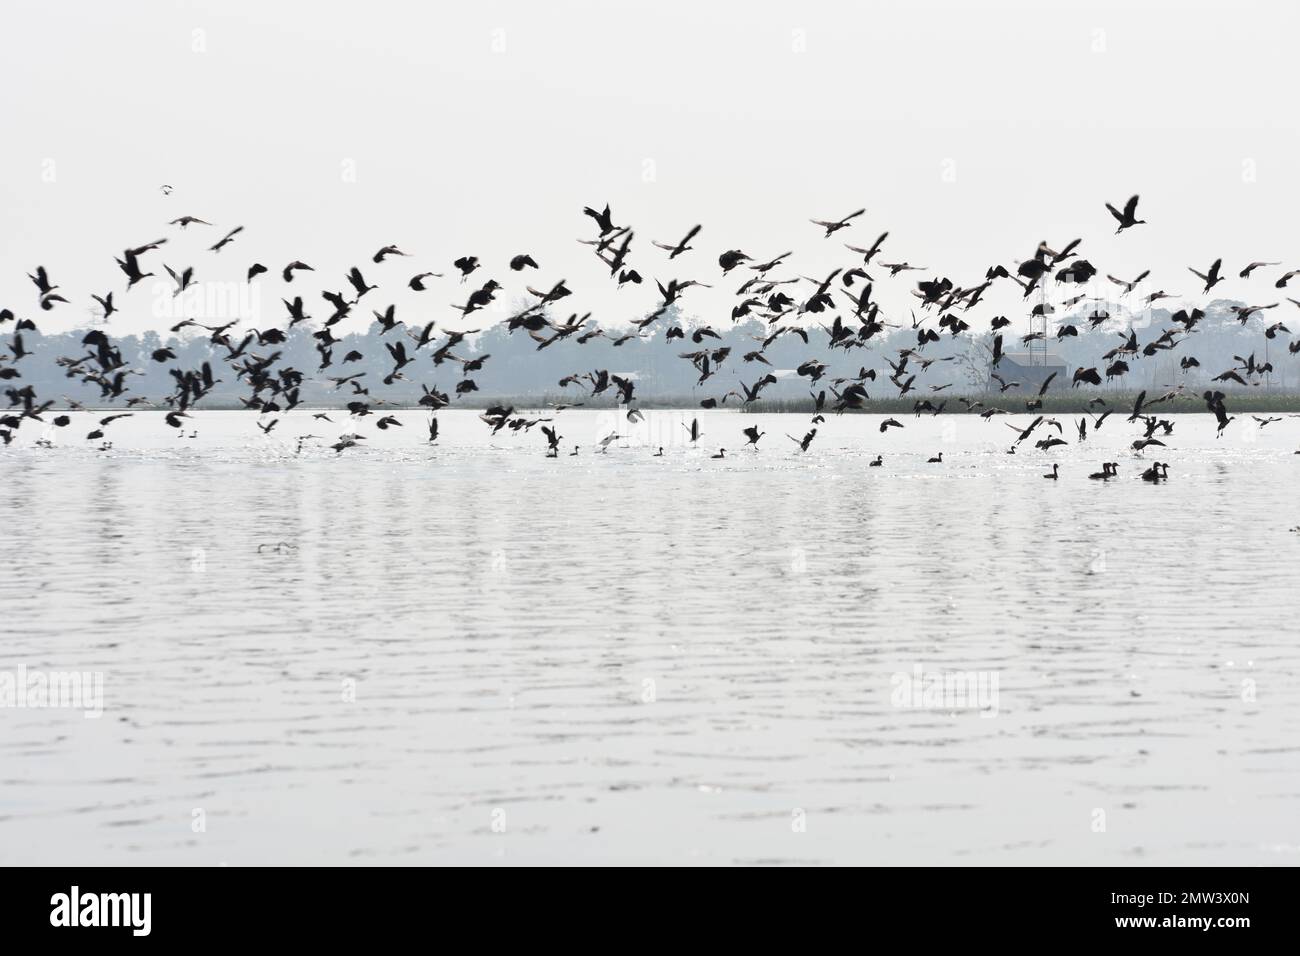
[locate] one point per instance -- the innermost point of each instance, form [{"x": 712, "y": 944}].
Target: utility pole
[{"x": 1038, "y": 324}]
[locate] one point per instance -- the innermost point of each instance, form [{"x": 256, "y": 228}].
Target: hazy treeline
[{"x": 520, "y": 370}]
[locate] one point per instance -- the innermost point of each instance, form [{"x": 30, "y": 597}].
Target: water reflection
[{"x": 476, "y": 654}]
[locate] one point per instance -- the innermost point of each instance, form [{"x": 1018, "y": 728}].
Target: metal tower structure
[
  {"x": 1037, "y": 347},
  {"x": 1268, "y": 376}
]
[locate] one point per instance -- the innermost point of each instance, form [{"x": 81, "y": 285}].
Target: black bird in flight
[
  {"x": 385, "y": 252},
  {"x": 226, "y": 239},
  {"x": 683, "y": 246},
  {"x": 291, "y": 268},
  {"x": 838, "y": 224},
  {"x": 1128, "y": 217},
  {"x": 466, "y": 265},
  {"x": 602, "y": 218},
  {"x": 868, "y": 254},
  {"x": 1245, "y": 273},
  {"x": 804, "y": 442},
  {"x": 1211, "y": 278}
]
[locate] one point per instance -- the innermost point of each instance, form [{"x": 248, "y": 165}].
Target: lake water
[{"x": 470, "y": 653}]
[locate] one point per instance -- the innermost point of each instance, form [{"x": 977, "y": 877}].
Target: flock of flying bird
[{"x": 838, "y": 307}]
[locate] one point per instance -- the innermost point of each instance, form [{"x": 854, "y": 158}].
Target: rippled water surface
[{"x": 470, "y": 653}]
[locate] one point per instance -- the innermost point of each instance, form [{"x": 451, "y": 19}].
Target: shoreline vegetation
[{"x": 1011, "y": 404}]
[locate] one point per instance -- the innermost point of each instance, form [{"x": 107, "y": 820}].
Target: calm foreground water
[{"x": 472, "y": 654}]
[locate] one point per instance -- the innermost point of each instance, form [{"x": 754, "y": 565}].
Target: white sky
[{"x": 754, "y": 115}]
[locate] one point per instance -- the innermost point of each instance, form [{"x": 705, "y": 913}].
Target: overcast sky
[{"x": 969, "y": 130}]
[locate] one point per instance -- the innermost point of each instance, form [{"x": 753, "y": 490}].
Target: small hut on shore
[{"x": 1030, "y": 370}]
